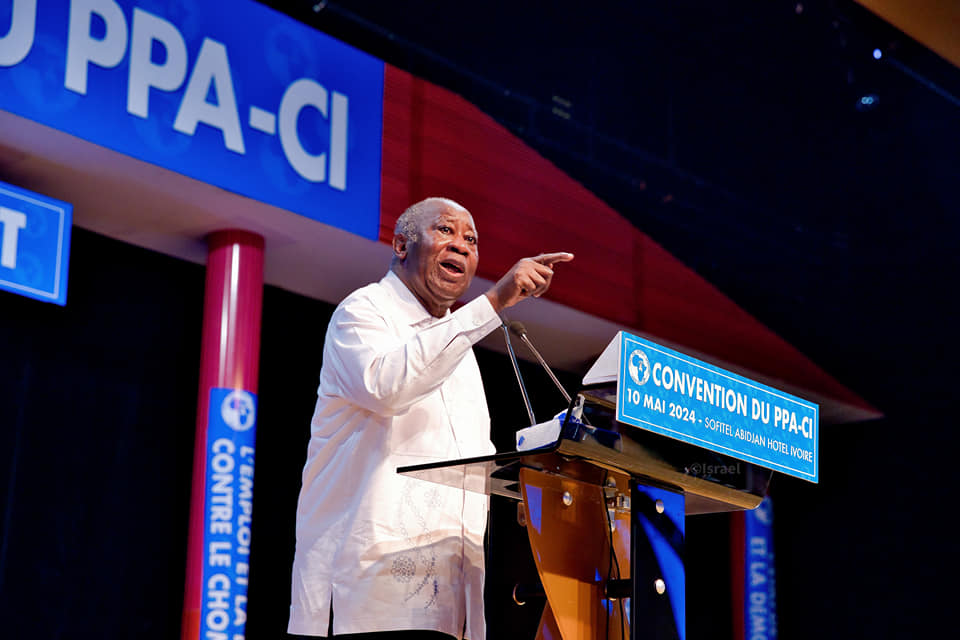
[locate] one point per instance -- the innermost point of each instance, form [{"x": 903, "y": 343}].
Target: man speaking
[{"x": 378, "y": 552}]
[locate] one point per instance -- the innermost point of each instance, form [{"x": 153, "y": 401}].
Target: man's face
[{"x": 441, "y": 264}]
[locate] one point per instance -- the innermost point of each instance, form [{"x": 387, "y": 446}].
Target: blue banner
[
  {"x": 672, "y": 394},
  {"x": 232, "y": 93},
  {"x": 228, "y": 509},
  {"x": 760, "y": 601},
  {"x": 34, "y": 244}
]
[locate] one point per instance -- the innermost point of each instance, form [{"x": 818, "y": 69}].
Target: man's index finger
[{"x": 552, "y": 258}]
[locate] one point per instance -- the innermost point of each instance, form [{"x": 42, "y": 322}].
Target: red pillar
[{"x": 229, "y": 360}]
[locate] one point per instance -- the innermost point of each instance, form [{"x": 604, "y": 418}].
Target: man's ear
[{"x": 400, "y": 246}]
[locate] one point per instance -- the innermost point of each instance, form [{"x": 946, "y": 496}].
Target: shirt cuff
[{"x": 477, "y": 318}]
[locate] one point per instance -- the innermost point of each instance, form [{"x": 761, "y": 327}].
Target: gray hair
[{"x": 410, "y": 222}]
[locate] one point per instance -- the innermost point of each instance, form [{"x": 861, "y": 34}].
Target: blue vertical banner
[
  {"x": 759, "y": 598},
  {"x": 34, "y": 244},
  {"x": 228, "y": 510}
]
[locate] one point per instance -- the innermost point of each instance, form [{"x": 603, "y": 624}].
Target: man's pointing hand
[{"x": 529, "y": 277}]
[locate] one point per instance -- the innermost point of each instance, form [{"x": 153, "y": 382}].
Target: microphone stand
[
  {"x": 521, "y": 331},
  {"x": 516, "y": 370}
]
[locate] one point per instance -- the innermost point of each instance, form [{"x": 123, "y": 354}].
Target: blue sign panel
[
  {"x": 672, "y": 394},
  {"x": 34, "y": 244},
  {"x": 760, "y": 593},
  {"x": 228, "y": 509},
  {"x": 229, "y": 92}
]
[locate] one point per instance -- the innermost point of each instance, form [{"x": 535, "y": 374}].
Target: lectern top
[{"x": 663, "y": 418}]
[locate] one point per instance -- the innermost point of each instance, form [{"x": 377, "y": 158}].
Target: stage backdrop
[{"x": 237, "y": 95}]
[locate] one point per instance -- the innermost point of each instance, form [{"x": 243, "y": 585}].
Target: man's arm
[{"x": 382, "y": 373}]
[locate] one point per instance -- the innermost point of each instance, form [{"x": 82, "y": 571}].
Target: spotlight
[
  {"x": 868, "y": 102},
  {"x": 877, "y": 54}
]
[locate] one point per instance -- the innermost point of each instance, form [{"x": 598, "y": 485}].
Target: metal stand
[{"x": 658, "y": 582}]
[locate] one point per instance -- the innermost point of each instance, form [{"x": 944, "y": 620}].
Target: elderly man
[{"x": 377, "y": 551}]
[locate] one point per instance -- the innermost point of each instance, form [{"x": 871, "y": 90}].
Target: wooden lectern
[{"x": 604, "y": 504}]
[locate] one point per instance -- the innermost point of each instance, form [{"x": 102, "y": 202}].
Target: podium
[{"x": 605, "y": 495}]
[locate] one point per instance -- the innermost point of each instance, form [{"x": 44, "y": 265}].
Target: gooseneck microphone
[
  {"x": 516, "y": 370},
  {"x": 521, "y": 332}
]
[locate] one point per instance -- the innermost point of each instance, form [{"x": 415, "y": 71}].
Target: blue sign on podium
[
  {"x": 34, "y": 244},
  {"x": 675, "y": 395}
]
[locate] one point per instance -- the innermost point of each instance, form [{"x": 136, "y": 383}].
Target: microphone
[
  {"x": 516, "y": 370},
  {"x": 520, "y": 331}
]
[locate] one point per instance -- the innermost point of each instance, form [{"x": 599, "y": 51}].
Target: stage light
[
  {"x": 877, "y": 54},
  {"x": 868, "y": 102}
]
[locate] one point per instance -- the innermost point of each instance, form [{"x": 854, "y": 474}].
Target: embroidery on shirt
[{"x": 404, "y": 566}]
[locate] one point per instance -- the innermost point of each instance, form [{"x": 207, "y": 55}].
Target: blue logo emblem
[
  {"x": 639, "y": 367},
  {"x": 238, "y": 410}
]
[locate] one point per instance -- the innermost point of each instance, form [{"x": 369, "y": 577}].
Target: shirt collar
[{"x": 408, "y": 306}]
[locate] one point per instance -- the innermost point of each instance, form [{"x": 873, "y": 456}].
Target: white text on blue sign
[
  {"x": 34, "y": 244},
  {"x": 675, "y": 395},
  {"x": 230, "y": 93}
]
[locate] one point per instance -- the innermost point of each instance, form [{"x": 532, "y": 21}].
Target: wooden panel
[
  {"x": 548, "y": 629},
  {"x": 571, "y": 547},
  {"x": 934, "y": 23}
]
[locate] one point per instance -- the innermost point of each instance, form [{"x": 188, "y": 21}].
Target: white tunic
[{"x": 397, "y": 387}]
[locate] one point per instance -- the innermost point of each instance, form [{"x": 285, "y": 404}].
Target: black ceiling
[{"x": 730, "y": 132}]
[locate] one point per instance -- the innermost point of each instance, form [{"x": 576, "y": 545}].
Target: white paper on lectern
[{"x": 539, "y": 435}]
